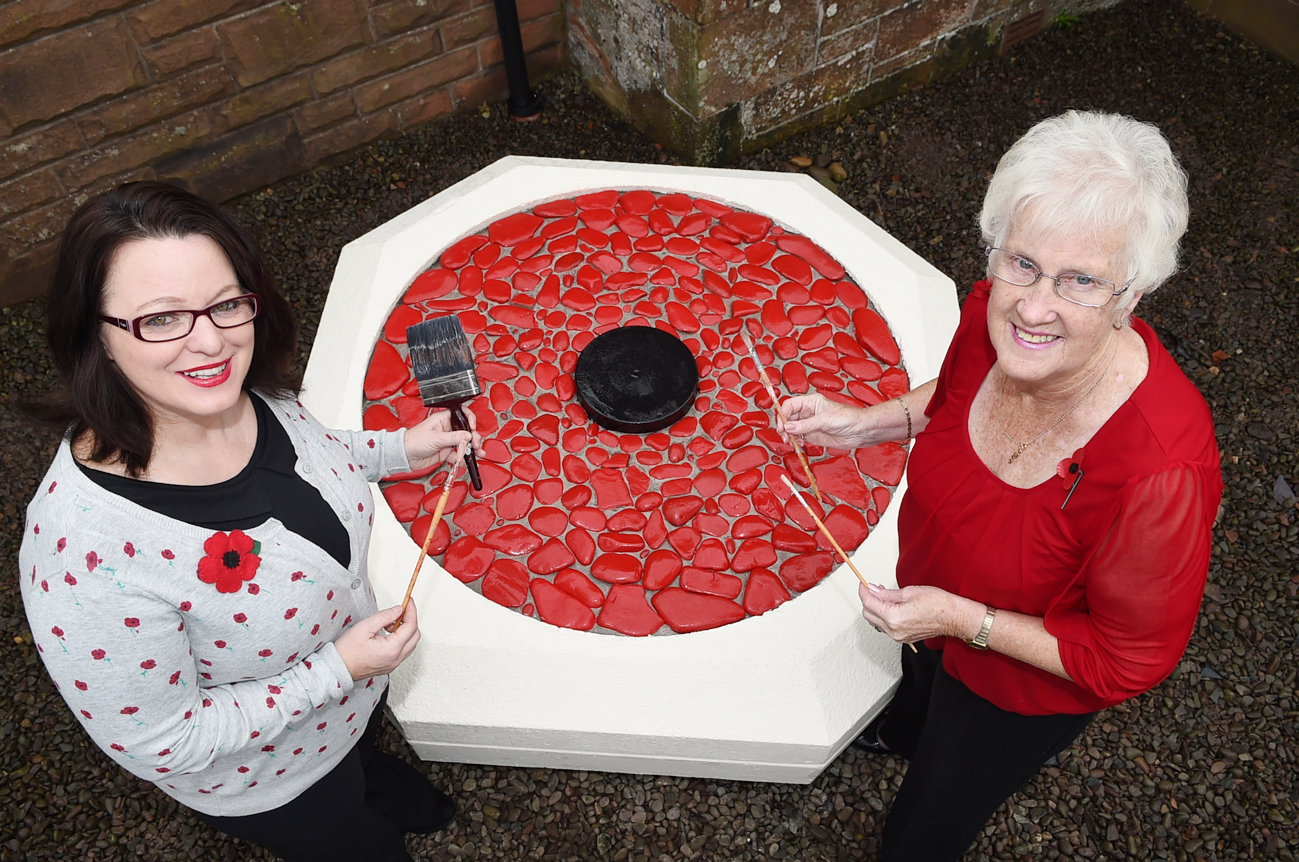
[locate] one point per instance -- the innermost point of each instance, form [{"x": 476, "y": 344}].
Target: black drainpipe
[{"x": 525, "y": 103}]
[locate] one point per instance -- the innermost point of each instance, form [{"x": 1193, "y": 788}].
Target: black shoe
[
  {"x": 401, "y": 793},
  {"x": 869, "y": 740}
]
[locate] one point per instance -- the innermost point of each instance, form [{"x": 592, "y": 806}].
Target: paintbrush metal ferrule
[{"x": 455, "y": 387}]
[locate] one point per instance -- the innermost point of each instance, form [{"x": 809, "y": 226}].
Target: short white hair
[{"x": 1099, "y": 175}]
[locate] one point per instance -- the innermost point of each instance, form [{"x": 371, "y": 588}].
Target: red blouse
[{"x": 1117, "y": 574}]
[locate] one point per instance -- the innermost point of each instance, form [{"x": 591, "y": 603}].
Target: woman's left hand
[
  {"x": 432, "y": 441},
  {"x": 915, "y": 613}
]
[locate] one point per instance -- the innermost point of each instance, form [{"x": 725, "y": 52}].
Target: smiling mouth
[
  {"x": 1033, "y": 339},
  {"x": 206, "y": 373}
]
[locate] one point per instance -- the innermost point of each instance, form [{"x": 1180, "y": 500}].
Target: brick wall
[
  {"x": 716, "y": 78},
  {"x": 224, "y": 96}
]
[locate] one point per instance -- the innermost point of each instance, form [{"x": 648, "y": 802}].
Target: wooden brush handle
[{"x": 460, "y": 423}]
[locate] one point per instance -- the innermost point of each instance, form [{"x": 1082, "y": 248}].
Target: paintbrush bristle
[{"x": 442, "y": 361}]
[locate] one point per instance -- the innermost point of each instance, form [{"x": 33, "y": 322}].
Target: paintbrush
[
  {"x": 443, "y": 364},
  {"x": 825, "y": 531},
  {"x": 453, "y": 469},
  {"x": 780, "y": 411}
]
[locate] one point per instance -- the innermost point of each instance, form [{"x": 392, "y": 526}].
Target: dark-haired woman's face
[{"x": 196, "y": 378}]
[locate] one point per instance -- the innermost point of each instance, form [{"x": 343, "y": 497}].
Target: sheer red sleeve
[{"x": 1127, "y": 621}]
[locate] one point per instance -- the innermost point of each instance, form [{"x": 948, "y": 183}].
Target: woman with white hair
[{"x": 1063, "y": 483}]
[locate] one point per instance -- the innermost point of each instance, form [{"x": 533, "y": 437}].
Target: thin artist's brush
[
  {"x": 780, "y": 411},
  {"x": 825, "y": 531},
  {"x": 453, "y": 470}
]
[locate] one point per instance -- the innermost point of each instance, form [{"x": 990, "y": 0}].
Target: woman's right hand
[
  {"x": 822, "y": 422},
  {"x": 368, "y": 650}
]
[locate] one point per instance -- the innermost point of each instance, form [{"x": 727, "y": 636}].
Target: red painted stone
[
  {"x": 526, "y": 468},
  {"x": 751, "y": 226},
  {"x": 839, "y": 478},
  {"x": 710, "y": 483},
  {"x": 711, "y": 524},
  {"x": 514, "y": 502},
  {"x": 628, "y": 520},
  {"x": 679, "y": 510},
  {"x": 734, "y": 505},
  {"x": 661, "y": 569},
  {"x": 710, "y": 582},
  {"x": 677, "y": 488},
  {"x": 656, "y": 531},
  {"x": 774, "y": 319},
  {"x": 862, "y": 369},
  {"x": 893, "y": 383},
  {"x": 787, "y": 538},
  {"x": 749, "y": 526},
  {"x": 763, "y": 592},
  {"x": 580, "y": 587},
  {"x": 575, "y": 497},
  {"x": 379, "y": 418},
  {"x": 588, "y": 518},
  {"x": 880, "y": 498},
  {"x": 506, "y": 583},
  {"x": 626, "y": 611},
  {"x": 746, "y": 459},
  {"x": 513, "y": 539},
  {"x": 692, "y": 612},
  {"x": 685, "y": 541},
  {"x": 559, "y": 608},
  {"x": 441, "y": 536},
  {"x": 737, "y": 437},
  {"x": 616, "y": 568},
  {"x": 825, "y": 382},
  {"x": 548, "y": 521},
  {"x": 745, "y": 482},
  {"x": 873, "y": 334},
  {"x": 467, "y": 559},
  {"x": 812, "y": 253},
  {"x": 754, "y": 553},
  {"x": 552, "y": 556},
  {"x": 847, "y": 526},
  {"x": 576, "y": 470},
  {"x": 610, "y": 489},
  {"x": 474, "y": 519},
  {"x": 579, "y": 541},
  {"x": 608, "y": 541},
  {"x": 711, "y": 555},
  {"x": 793, "y": 268},
  {"x": 804, "y": 571},
  {"x": 458, "y": 254},
  {"x": 768, "y": 505},
  {"x": 387, "y": 372},
  {"x": 649, "y": 501},
  {"x": 884, "y": 463}
]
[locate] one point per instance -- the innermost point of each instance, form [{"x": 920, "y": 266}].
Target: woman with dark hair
[{"x": 194, "y": 563}]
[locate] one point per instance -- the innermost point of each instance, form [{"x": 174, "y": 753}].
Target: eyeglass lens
[
  {"x": 168, "y": 325},
  {"x": 1073, "y": 286}
]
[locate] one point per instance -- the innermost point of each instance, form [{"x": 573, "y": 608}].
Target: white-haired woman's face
[{"x": 1040, "y": 338}]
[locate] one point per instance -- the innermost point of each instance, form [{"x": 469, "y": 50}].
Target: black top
[{"x": 268, "y": 487}]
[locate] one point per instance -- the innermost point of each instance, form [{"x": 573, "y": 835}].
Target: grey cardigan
[{"x": 231, "y": 702}]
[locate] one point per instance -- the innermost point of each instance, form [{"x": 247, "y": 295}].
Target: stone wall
[
  {"x": 224, "y": 96},
  {"x": 712, "y": 79}
]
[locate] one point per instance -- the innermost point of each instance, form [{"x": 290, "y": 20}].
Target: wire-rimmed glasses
[
  {"x": 1076, "y": 287},
  {"x": 177, "y": 323}
]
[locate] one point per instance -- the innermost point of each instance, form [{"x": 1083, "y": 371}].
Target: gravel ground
[{"x": 1201, "y": 768}]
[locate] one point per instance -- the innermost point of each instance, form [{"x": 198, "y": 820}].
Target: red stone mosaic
[{"x": 682, "y": 530}]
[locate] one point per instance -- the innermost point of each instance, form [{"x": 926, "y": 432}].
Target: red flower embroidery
[
  {"x": 229, "y": 562},
  {"x": 1070, "y": 472},
  {"x": 129, "y": 549}
]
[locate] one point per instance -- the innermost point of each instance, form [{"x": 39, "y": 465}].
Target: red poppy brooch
[
  {"x": 1070, "y": 472},
  {"x": 231, "y": 559}
]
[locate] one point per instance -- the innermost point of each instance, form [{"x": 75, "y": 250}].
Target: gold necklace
[{"x": 1020, "y": 447}]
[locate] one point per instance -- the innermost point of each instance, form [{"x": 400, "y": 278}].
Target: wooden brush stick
[
  {"x": 780, "y": 411},
  {"x": 453, "y": 470},
  {"x": 825, "y": 531}
]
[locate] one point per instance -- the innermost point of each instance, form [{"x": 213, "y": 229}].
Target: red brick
[
  {"x": 283, "y": 37},
  {"x": 193, "y": 48},
  {"x": 536, "y": 34},
  {"x": 22, "y": 19},
  {"x": 121, "y": 155},
  {"x": 905, "y": 28},
  {"x": 261, "y": 101},
  {"x": 29, "y": 191},
  {"x": 887, "y": 67},
  {"x": 423, "y": 109},
  {"x": 530, "y": 10},
  {"x": 754, "y": 50},
  {"x": 323, "y": 113},
  {"x": 467, "y": 29},
  {"x": 25, "y": 276},
  {"x": 847, "y": 42},
  {"x": 490, "y": 86},
  {"x": 404, "y": 15},
  {"x": 853, "y": 13},
  {"x": 43, "y": 145},
  {"x": 417, "y": 79},
  {"x": 239, "y": 162},
  {"x": 146, "y": 106},
  {"x": 43, "y": 79},
  {"x": 375, "y": 60},
  {"x": 812, "y": 91},
  {"x": 153, "y": 21},
  {"x": 39, "y": 225},
  {"x": 348, "y": 136}
]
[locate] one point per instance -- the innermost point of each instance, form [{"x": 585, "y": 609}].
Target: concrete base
[{"x": 770, "y": 698}]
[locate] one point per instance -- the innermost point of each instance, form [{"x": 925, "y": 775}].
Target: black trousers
[
  {"x": 967, "y": 758},
  {"x": 332, "y": 821}
]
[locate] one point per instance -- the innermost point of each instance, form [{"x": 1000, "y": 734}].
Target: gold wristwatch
[{"x": 980, "y": 641}]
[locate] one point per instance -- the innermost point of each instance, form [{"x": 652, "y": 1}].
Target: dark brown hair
[{"x": 93, "y": 396}]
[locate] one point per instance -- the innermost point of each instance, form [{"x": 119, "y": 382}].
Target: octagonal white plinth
[{"x": 770, "y": 698}]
